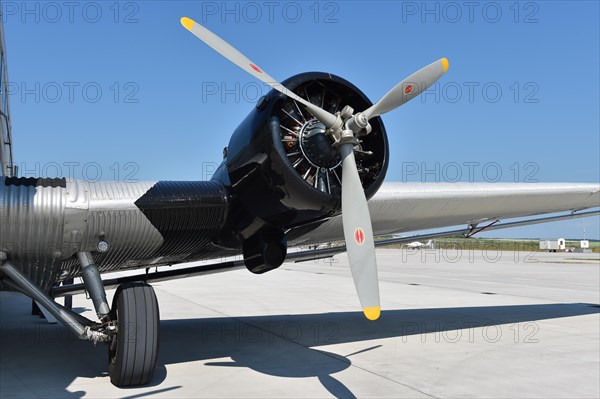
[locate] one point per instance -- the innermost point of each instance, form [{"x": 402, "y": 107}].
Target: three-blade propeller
[{"x": 344, "y": 129}]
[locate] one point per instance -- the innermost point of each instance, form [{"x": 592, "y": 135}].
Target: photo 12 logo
[
  {"x": 91, "y": 171},
  {"x": 469, "y": 171},
  {"x": 270, "y": 11},
  {"x": 454, "y": 12},
  {"x": 482, "y": 92},
  {"x": 54, "y": 12},
  {"x": 73, "y": 92},
  {"x": 470, "y": 332}
]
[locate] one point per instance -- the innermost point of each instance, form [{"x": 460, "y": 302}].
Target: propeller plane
[{"x": 306, "y": 166}]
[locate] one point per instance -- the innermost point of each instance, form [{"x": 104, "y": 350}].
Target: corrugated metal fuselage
[{"x": 45, "y": 222}]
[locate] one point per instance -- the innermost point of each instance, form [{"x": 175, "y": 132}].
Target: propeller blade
[
  {"x": 409, "y": 88},
  {"x": 359, "y": 235},
  {"x": 233, "y": 55}
]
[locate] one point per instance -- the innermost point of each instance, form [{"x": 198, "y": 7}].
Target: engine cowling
[{"x": 284, "y": 171}]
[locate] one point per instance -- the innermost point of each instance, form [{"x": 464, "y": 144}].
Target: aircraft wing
[{"x": 404, "y": 207}]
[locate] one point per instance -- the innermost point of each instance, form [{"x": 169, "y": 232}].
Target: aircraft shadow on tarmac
[
  {"x": 263, "y": 343},
  {"x": 274, "y": 345}
]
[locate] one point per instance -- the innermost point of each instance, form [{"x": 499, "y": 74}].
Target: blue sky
[{"x": 122, "y": 90}]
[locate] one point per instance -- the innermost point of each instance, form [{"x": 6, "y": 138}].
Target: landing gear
[
  {"x": 133, "y": 346},
  {"x": 130, "y": 328},
  {"x": 133, "y": 352}
]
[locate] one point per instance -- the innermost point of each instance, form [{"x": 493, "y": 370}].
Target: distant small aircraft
[
  {"x": 298, "y": 170},
  {"x": 419, "y": 244}
]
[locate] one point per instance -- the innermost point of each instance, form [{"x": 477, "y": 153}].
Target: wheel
[{"x": 133, "y": 352}]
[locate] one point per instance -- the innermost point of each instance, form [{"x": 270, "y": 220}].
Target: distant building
[{"x": 6, "y": 153}]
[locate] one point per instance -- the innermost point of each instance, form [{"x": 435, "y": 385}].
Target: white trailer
[{"x": 553, "y": 245}]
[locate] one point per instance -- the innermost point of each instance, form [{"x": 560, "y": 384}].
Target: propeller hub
[{"x": 317, "y": 146}]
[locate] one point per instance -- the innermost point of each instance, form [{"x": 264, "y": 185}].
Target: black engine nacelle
[{"x": 283, "y": 171}]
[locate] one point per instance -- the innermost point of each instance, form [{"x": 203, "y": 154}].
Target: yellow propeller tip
[
  {"x": 372, "y": 313},
  {"x": 445, "y": 64},
  {"x": 187, "y": 23}
]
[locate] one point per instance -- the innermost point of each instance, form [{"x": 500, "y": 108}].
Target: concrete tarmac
[{"x": 454, "y": 324}]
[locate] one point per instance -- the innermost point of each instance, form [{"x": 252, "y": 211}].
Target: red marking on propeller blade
[
  {"x": 359, "y": 236},
  {"x": 408, "y": 89},
  {"x": 257, "y": 69}
]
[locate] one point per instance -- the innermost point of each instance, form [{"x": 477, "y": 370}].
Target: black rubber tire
[{"x": 133, "y": 353}]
